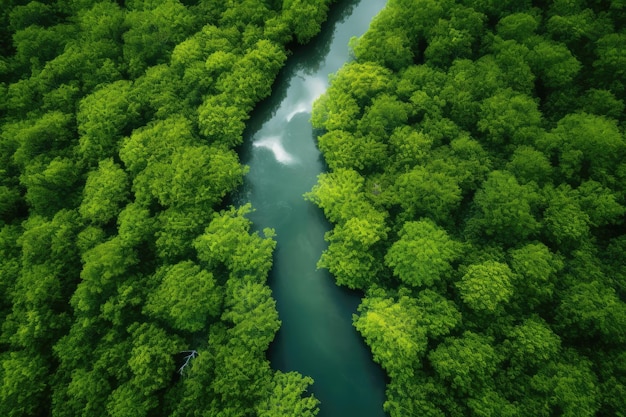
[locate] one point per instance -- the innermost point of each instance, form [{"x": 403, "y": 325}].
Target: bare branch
[{"x": 190, "y": 355}]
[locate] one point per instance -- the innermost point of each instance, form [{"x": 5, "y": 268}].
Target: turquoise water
[{"x": 316, "y": 337}]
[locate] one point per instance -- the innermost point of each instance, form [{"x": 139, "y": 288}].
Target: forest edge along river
[{"x": 316, "y": 338}]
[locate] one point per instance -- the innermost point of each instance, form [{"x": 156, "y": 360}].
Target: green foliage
[
  {"x": 169, "y": 170},
  {"x": 507, "y": 117},
  {"x": 103, "y": 265},
  {"x": 246, "y": 12},
  {"x": 532, "y": 344},
  {"x": 88, "y": 394},
  {"x": 536, "y": 268},
  {"x": 150, "y": 359},
  {"x": 344, "y": 150},
  {"x": 554, "y": 64},
  {"x": 9, "y": 264},
  {"x": 418, "y": 398},
  {"x": 392, "y": 330},
  {"x": 176, "y": 229},
  {"x": 600, "y": 204},
  {"x": 240, "y": 378},
  {"x": 505, "y": 208},
  {"x": 341, "y": 195},
  {"x": 408, "y": 148},
  {"x": 388, "y": 43},
  {"x": 512, "y": 58},
  {"x": 586, "y": 147},
  {"x": 398, "y": 330},
  {"x": 134, "y": 224},
  {"x": 43, "y": 281},
  {"x": 469, "y": 163},
  {"x": 355, "y": 86},
  {"x": 226, "y": 241},
  {"x": 88, "y": 62},
  {"x": 197, "y": 176},
  {"x": 220, "y": 121},
  {"x": 153, "y": 32},
  {"x": 252, "y": 311},
  {"x": 186, "y": 297},
  {"x": 155, "y": 142},
  {"x": 423, "y": 254},
  {"x": 393, "y": 49},
  {"x": 565, "y": 222},
  {"x": 486, "y": 286},
  {"x": 499, "y": 9},
  {"x": 454, "y": 38},
  {"x": 575, "y": 26},
  {"x": 603, "y": 102},
  {"x": 438, "y": 315},
  {"x": 528, "y": 164},
  {"x": 103, "y": 117},
  {"x": 467, "y": 84},
  {"x": 23, "y": 383},
  {"x": 340, "y": 113},
  {"x": 36, "y": 136},
  {"x": 286, "y": 398},
  {"x": 500, "y": 177},
  {"x": 610, "y": 63},
  {"x": 422, "y": 192},
  {"x": 305, "y": 17},
  {"x": 36, "y": 45},
  {"x": 117, "y": 132},
  {"x": 33, "y": 13},
  {"x": 105, "y": 191},
  {"x": 517, "y": 26},
  {"x": 249, "y": 79},
  {"x": 593, "y": 308},
  {"x": 569, "y": 386},
  {"x": 476, "y": 151},
  {"x": 162, "y": 93},
  {"x": 126, "y": 401},
  {"x": 101, "y": 20},
  {"x": 467, "y": 363},
  {"x": 348, "y": 257},
  {"x": 50, "y": 186}
]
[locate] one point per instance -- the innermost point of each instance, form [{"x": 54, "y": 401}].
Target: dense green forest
[
  {"x": 128, "y": 287},
  {"x": 477, "y": 190},
  {"x": 476, "y": 184}
]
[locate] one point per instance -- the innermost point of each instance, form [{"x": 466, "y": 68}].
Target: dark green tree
[
  {"x": 467, "y": 363},
  {"x": 505, "y": 208}
]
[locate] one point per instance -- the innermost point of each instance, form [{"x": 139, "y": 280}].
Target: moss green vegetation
[
  {"x": 477, "y": 188},
  {"x": 127, "y": 286}
]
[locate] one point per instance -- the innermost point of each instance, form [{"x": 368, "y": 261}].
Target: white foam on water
[
  {"x": 274, "y": 144},
  {"x": 314, "y": 87},
  {"x": 301, "y": 107}
]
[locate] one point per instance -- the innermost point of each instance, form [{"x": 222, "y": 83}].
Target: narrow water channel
[{"x": 316, "y": 337}]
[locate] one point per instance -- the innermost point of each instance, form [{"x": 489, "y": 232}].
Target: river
[{"x": 316, "y": 337}]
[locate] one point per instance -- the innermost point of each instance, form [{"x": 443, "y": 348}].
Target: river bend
[{"x": 316, "y": 337}]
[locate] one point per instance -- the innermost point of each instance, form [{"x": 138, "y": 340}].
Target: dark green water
[{"x": 316, "y": 337}]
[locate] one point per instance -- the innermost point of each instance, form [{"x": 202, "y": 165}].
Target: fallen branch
[{"x": 190, "y": 355}]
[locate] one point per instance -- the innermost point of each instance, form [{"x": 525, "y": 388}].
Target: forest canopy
[
  {"x": 128, "y": 286},
  {"x": 476, "y": 186},
  {"x": 477, "y": 190}
]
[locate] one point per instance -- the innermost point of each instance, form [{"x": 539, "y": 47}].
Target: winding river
[{"x": 316, "y": 337}]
